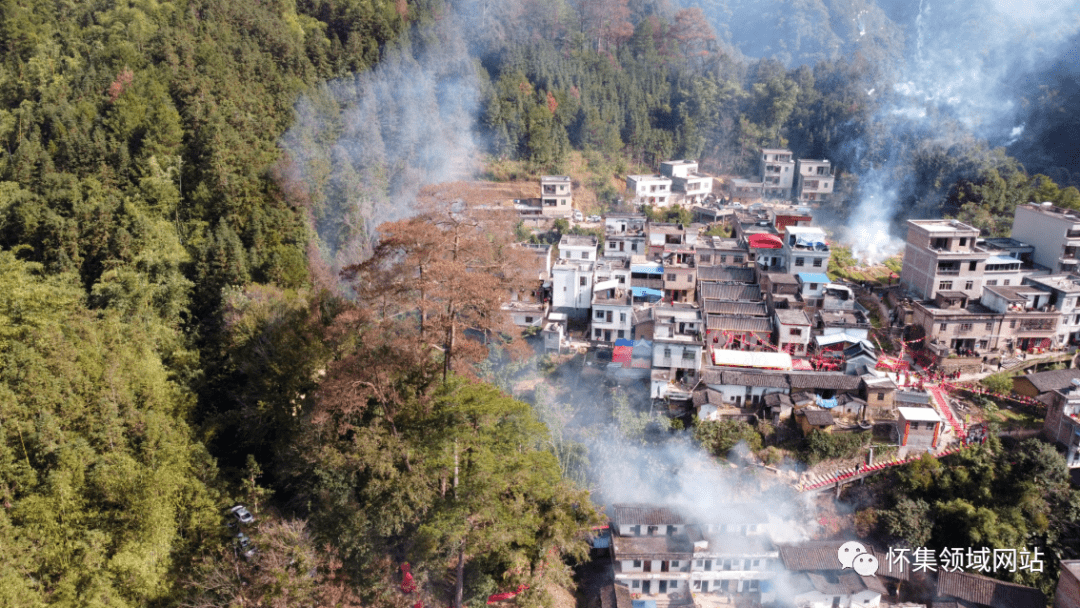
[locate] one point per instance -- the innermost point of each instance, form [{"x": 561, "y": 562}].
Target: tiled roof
[
  {"x": 823, "y": 380},
  {"x": 813, "y": 555},
  {"x": 708, "y": 395},
  {"x": 638, "y": 547},
  {"x": 847, "y": 583},
  {"x": 819, "y": 418},
  {"x": 726, "y": 274},
  {"x": 728, "y": 307},
  {"x": 646, "y": 515},
  {"x": 731, "y": 291},
  {"x": 1045, "y": 382},
  {"x": 738, "y": 323},
  {"x": 987, "y": 591},
  {"x": 747, "y": 378}
]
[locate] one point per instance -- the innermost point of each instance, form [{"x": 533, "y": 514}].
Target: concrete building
[
  {"x": 792, "y": 331},
  {"x": 815, "y": 181},
  {"x": 612, "y": 312},
  {"x": 624, "y": 236},
  {"x": 1065, "y": 298},
  {"x": 571, "y": 291},
  {"x": 940, "y": 255},
  {"x": 777, "y": 173},
  {"x": 805, "y": 249},
  {"x": 652, "y": 190},
  {"x": 686, "y": 179},
  {"x": 1062, "y": 424},
  {"x": 745, "y": 189},
  {"x": 556, "y": 196},
  {"x": 677, "y": 350},
  {"x": 1053, "y": 231},
  {"x": 919, "y": 429},
  {"x": 719, "y": 251},
  {"x": 578, "y": 247},
  {"x": 1027, "y": 321}
]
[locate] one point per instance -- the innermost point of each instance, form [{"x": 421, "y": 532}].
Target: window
[
  {"x": 622, "y": 280},
  {"x": 671, "y": 277},
  {"x": 611, "y": 245},
  {"x": 991, "y": 283},
  {"x": 673, "y": 585},
  {"x": 528, "y": 319},
  {"x": 914, "y": 426},
  {"x": 698, "y": 563},
  {"x": 637, "y": 564},
  {"x": 688, "y": 355},
  {"x": 795, "y": 331},
  {"x": 675, "y": 563},
  {"x": 943, "y": 327},
  {"x": 945, "y": 285},
  {"x": 881, "y": 396},
  {"x": 622, "y": 318},
  {"x": 723, "y": 259},
  {"x": 973, "y": 265},
  {"x": 965, "y": 327},
  {"x": 584, "y": 255},
  {"x": 1012, "y": 324},
  {"x": 1005, "y": 282},
  {"x": 622, "y": 334},
  {"x": 963, "y": 242},
  {"x": 667, "y": 353},
  {"x": 990, "y": 326},
  {"x": 706, "y": 259},
  {"x": 636, "y": 531},
  {"x": 635, "y": 584},
  {"x": 653, "y": 530},
  {"x": 737, "y": 259},
  {"x": 813, "y": 286},
  {"x": 800, "y": 262},
  {"x": 969, "y": 285},
  {"x": 596, "y": 334},
  {"x": 584, "y": 281},
  {"x": 599, "y": 315},
  {"x": 817, "y": 262}
]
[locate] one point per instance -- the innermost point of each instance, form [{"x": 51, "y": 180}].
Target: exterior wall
[
  {"x": 571, "y": 286},
  {"x": 784, "y": 337},
  {"x": 681, "y": 356},
  {"x": 815, "y": 181},
  {"x": 621, "y": 321},
  {"x": 678, "y": 168},
  {"x": 621, "y": 246},
  {"x": 924, "y": 256},
  {"x": 528, "y": 319},
  {"x": 1020, "y": 330},
  {"x": 741, "y": 396},
  {"x": 918, "y": 434},
  {"x": 1062, "y": 428},
  {"x": 577, "y": 252},
  {"x": 650, "y": 189},
  {"x": 1049, "y": 235},
  {"x": 879, "y": 403},
  {"x": 812, "y": 261},
  {"x": 679, "y": 284},
  {"x": 777, "y": 173},
  {"x": 1068, "y": 587}
]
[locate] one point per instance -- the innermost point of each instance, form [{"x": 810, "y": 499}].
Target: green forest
[{"x": 174, "y": 340}]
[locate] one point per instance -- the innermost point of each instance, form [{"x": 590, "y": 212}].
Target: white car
[
  {"x": 594, "y": 218},
  {"x": 241, "y": 514},
  {"x": 578, "y": 217}
]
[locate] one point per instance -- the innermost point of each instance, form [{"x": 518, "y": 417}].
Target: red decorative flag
[
  {"x": 624, "y": 351},
  {"x": 407, "y": 583},
  {"x": 498, "y": 597}
]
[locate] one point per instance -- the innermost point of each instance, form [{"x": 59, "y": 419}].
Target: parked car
[
  {"x": 578, "y": 217},
  {"x": 736, "y": 205},
  {"x": 594, "y": 218},
  {"x": 244, "y": 546},
  {"x": 241, "y": 514}
]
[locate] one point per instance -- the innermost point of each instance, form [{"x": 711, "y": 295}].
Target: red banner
[{"x": 498, "y": 597}]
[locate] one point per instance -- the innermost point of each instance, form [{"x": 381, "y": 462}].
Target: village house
[
  {"x": 656, "y": 552},
  {"x": 781, "y": 290},
  {"x": 745, "y": 189},
  {"x": 1041, "y": 383},
  {"x": 1067, "y": 593},
  {"x": 792, "y": 333},
  {"x": 1065, "y": 290},
  {"x": 820, "y": 582},
  {"x": 556, "y": 196},
  {"x": 878, "y": 392},
  {"x": 839, "y": 329},
  {"x": 646, "y": 280},
  {"x": 725, "y": 274},
  {"x": 578, "y": 247},
  {"x": 815, "y": 181},
  {"x": 680, "y": 273},
  {"x": 677, "y": 350},
  {"x": 652, "y": 190},
  {"x": 1028, "y": 320},
  {"x": 812, "y": 288},
  {"x": 624, "y": 236},
  {"x": 813, "y": 419},
  {"x": 976, "y": 591},
  {"x": 1010, "y": 261},
  {"x": 529, "y": 307},
  {"x": 919, "y": 429},
  {"x": 571, "y": 291},
  {"x": 940, "y": 255},
  {"x": 777, "y": 173},
  {"x": 805, "y": 249},
  {"x": 836, "y": 296},
  {"x": 686, "y": 179},
  {"x": 1062, "y": 424},
  {"x": 1053, "y": 231},
  {"x": 742, "y": 387},
  {"x": 612, "y": 312},
  {"x": 720, "y": 251}
]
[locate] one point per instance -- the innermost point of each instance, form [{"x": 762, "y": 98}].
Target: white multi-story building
[
  {"x": 612, "y": 311},
  {"x": 1055, "y": 233},
  {"x": 1066, "y": 300},
  {"x": 686, "y": 179},
  {"x": 571, "y": 290},
  {"x": 652, "y": 190},
  {"x": 815, "y": 181},
  {"x": 556, "y": 196},
  {"x": 578, "y": 247},
  {"x": 805, "y": 249},
  {"x": 777, "y": 173}
]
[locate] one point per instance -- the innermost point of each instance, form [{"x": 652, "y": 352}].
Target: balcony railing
[
  {"x": 1072, "y": 234},
  {"x": 949, "y": 271}
]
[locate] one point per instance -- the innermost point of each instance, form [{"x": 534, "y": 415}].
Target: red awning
[
  {"x": 765, "y": 241},
  {"x": 801, "y": 364}
]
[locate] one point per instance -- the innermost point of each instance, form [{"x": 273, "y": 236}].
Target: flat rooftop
[
  {"x": 1062, "y": 282},
  {"x": 943, "y": 225},
  {"x": 578, "y": 240},
  {"x": 555, "y": 178}
]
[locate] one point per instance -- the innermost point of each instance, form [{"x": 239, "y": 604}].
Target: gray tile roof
[
  {"x": 823, "y": 380},
  {"x": 747, "y": 378},
  {"x": 730, "y": 291},
  {"x": 819, "y": 418},
  {"x": 813, "y": 555},
  {"x": 738, "y": 323},
  {"x": 987, "y": 591},
  {"x": 728, "y": 307},
  {"x": 644, "y": 515},
  {"x": 1045, "y": 382},
  {"x": 726, "y": 274},
  {"x": 847, "y": 583}
]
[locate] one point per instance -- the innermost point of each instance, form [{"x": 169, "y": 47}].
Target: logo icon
[
  {"x": 865, "y": 565},
  {"x": 848, "y": 552}
]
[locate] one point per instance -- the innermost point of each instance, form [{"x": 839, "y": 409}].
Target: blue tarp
[
  {"x": 827, "y": 403},
  {"x": 641, "y": 292},
  {"x": 647, "y": 268},
  {"x": 624, "y": 342},
  {"x": 644, "y": 603}
]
